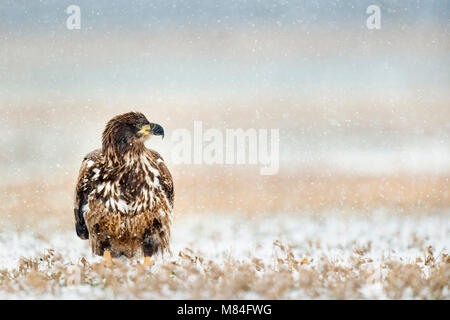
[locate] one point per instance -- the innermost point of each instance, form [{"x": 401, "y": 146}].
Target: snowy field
[{"x": 284, "y": 256}]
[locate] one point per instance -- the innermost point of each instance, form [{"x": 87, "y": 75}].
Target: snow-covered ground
[
  {"x": 376, "y": 237},
  {"x": 215, "y": 235}
]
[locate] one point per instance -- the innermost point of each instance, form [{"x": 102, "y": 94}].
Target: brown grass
[{"x": 190, "y": 276}]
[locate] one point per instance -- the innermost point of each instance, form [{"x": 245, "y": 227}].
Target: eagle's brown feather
[{"x": 124, "y": 195}]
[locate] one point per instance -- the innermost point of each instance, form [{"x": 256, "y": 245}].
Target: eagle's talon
[
  {"x": 147, "y": 261},
  {"x": 107, "y": 260}
]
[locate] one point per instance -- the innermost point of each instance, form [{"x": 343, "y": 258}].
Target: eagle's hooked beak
[{"x": 152, "y": 128}]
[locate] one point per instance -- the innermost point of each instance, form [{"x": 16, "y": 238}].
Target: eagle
[{"x": 124, "y": 194}]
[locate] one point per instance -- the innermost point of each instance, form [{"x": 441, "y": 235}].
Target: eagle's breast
[{"x": 131, "y": 189}]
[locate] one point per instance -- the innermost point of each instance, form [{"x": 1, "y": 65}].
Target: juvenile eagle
[{"x": 124, "y": 194}]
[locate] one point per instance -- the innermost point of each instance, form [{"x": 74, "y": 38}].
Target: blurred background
[{"x": 363, "y": 114}]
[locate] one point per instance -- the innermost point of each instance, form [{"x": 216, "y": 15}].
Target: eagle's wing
[
  {"x": 84, "y": 187},
  {"x": 165, "y": 177}
]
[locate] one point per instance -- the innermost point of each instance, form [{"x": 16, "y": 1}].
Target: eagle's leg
[
  {"x": 150, "y": 245},
  {"x": 103, "y": 246}
]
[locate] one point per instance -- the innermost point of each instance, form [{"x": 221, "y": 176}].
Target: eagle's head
[{"x": 127, "y": 133}]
